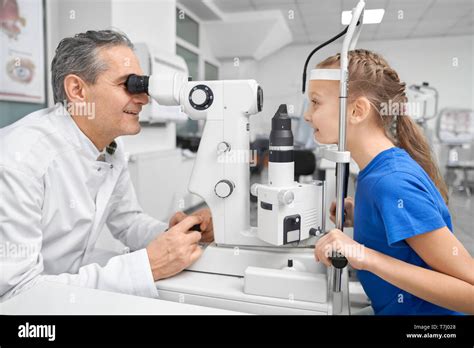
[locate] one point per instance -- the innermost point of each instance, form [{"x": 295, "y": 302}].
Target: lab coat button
[{"x": 111, "y": 166}]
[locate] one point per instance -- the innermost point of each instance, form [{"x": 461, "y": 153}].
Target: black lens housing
[
  {"x": 137, "y": 84},
  {"x": 281, "y": 134}
]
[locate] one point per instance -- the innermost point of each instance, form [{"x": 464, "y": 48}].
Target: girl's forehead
[{"x": 323, "y": 88}]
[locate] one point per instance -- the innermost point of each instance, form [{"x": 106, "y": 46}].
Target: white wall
[
  {"x": 416, "y": 60},
  {"x": 239, "y": 68},
  {"x": 67, "y": 17},
  {"x": 151, "y": 21}
]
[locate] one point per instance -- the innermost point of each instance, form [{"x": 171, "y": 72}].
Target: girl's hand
[
  {"x": 348, "y": 212},
  {"x": 336, "y": 240}
]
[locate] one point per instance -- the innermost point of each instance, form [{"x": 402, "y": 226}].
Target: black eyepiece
[
  {"x": 137, "y": 84},
  {"x": 281, "y": 134}
]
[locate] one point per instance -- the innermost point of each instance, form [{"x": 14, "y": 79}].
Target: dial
[
  {"x": 223, "y": 147},
  {"x": 224, "y": 188},
  {"x": 201, "y": 97}
]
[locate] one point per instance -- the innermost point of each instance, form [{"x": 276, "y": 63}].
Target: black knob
[
  {"x": 315, "y": 231},
  {"x": 196, "y": 227},
  {"x": 338, "y": 261}
]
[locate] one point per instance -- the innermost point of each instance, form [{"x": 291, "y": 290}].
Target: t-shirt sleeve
[{"x": 406, "y": 206}]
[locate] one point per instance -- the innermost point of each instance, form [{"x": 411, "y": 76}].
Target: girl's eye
[{"x": 315, "y": 102}]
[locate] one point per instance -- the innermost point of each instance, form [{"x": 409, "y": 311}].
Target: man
[{"x": 63, "y": 176}]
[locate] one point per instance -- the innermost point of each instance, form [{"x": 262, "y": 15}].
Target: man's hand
[
  {"x": 174, "y": 250},
  {"x": 356, "y": 254},
  {"x": 206, "y": 225}
]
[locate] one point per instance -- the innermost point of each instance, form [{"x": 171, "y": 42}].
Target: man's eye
[{"x": 315, "y": 102}]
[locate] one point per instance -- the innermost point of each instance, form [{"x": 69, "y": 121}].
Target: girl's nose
[{"x": 307, "y": 116}]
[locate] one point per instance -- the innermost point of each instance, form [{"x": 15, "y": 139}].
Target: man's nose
[{"x": 141, "y": 98}]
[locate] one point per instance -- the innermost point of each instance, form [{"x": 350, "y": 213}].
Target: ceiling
[{"x": 315, "y": 20}]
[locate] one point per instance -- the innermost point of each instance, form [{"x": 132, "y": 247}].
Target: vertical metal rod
[
  {"x": 342, "y": 169},
  {"x": 341, "y": 173}
]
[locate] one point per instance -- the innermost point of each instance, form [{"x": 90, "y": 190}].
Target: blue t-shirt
[{"x": 395, "y": 200}]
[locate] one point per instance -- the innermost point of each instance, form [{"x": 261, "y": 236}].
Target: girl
[{"x": 411, "y": 263}]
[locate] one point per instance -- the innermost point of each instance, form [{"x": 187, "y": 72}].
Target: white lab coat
[{"x": 55, "y": 199}]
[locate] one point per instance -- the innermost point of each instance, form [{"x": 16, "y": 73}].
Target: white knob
[
  {"x": 254, "y": 189},
  {"x": 224, "y": 188},
  {"x": 223, "y": 147},
  {"x": 286, "y": 197},
  {"x": 199, "y": 97}
]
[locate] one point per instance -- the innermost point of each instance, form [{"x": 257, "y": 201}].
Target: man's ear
[
  {"x": 75, "y": 88},
  {"x": 359, "y": 111}
]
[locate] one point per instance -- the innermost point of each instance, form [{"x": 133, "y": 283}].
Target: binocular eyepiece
[{"x": 137, "y": 84}]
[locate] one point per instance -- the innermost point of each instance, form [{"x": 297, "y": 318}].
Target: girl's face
[{"x": 323, "y": 110}]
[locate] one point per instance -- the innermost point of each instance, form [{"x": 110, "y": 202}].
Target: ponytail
[{"x": 411, "y": 138}]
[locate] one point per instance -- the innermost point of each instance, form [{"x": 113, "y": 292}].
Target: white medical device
[
  {"x": 269, "y": 267},
  {"x": 423, "y": 95},
  {"x": 287, "y": 210}
]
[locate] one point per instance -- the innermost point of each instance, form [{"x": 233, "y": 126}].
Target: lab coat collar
[{"x": 75, "y": 133}]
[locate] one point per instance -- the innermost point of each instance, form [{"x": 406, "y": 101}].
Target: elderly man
[{"x": 63, "y": 176}]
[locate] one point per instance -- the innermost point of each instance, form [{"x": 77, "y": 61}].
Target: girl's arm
[
  {"x": 449, "y": 284},
  {"x": 444, "y": 253}
]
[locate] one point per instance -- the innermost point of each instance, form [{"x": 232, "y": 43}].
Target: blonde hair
[{"x": 372, "y": 77}]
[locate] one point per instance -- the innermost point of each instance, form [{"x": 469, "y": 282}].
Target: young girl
[{"x": 411, "y": 263}]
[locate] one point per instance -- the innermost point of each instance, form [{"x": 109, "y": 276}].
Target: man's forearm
[{"x": 138, "y": 233}]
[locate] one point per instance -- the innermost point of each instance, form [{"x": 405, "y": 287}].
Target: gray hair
[{"x": 79, "y": 55}]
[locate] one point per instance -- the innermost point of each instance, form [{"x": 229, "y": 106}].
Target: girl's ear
[{"x": 359, "y": 111}]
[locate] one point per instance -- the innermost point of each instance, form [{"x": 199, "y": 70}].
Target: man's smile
[{"x": 132, "y": 112}]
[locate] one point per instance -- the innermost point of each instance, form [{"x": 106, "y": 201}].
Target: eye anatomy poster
[{"x": 22, "y": 51}]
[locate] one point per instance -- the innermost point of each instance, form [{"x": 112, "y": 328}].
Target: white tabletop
[{"x": 49, "y": 298}]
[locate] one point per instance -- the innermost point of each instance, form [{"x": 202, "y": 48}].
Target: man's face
[{"x": 116, "y": 110}]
